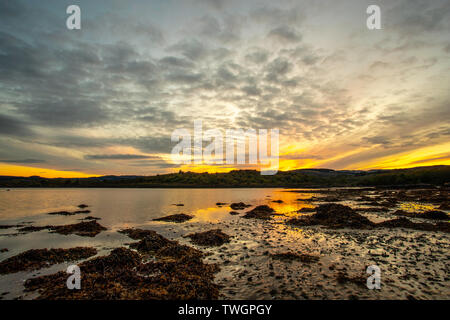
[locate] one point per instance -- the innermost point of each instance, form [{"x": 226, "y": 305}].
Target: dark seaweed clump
[
  {"x": 260, "y": 212},
  {"x": 209, "y": 238},
  {"x": 291, "y": 256},
  {"x": 69, "y": 213},
  {"x": 431, "y": 214},
  {"x": 239, "y": 206},
  {"x": 334, "y": 216},
  {"x": 178, "y": 218},
  {"x": 339, "y": 216},
  {"x": 38, "y": 258},
  {"x": 84, "y": 229},
  {"x": 176, "y": 272}
]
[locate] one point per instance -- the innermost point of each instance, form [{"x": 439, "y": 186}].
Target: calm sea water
[
  {"x": 119, "y": 207},
  {"x": 247, "y": 272}
]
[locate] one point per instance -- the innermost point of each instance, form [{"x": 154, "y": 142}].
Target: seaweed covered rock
[
  {"x": 178, "y": 218},
  {"x": 153, "y": 243},
  {"x": 68, "y": 213},
  {"x": 119, "y": 258},
  {"x": 83, "y": 229},
  {"x": 178, "y": 251},
  {"x": 239, "y": 206},
  {"x": 209, "y": 238},
  {"x": 139, "y": 234},
  {"x": 123, "y": 275},
  {"x": 38, "y": 258},
  {"x": 334, "y": 216},
  {"x": 305, "y": 210},
  {"x": 33, "y": 228},
  {"x": 90, "y": 218},
  {"x": 408, "y": 224},
  {"x": 150, "y": 242},
  {"x": 260, "y": 212}
]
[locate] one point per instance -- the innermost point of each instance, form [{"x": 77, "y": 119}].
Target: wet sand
[{"x": 414, "y": 263}]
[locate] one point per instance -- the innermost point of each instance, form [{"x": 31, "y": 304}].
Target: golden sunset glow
[
  {"x": 341, "y": 95},
  {"x": 22, "y": 171}
]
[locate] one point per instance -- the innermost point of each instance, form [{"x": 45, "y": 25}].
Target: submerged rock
[
  {"x": 82, "y": 206},
  {"x": 260, "y": 212},
  {"x": 181, "y": 217},
  {"x": 82, "y": 211},
  {"x": 61, "y": 213},
  {"x": 90, "y": 218},
  {"x": 84, "y": 229},
  {"x": 38, "y": 258},
  {"x": 33, "y": 229},
  {"x": 209, "y": 238},
  {"x": 233, "y": 213},
  {"x": 68, "y": 213},
  {"x": 239, "y": 206}
]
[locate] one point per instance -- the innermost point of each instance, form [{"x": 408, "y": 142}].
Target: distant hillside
[{"x": 436, "y": 175}]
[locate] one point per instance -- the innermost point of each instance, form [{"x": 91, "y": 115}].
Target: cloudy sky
[{"x": 105, "y": 99}]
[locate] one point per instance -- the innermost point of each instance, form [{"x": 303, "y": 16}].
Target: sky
[{"x": 105, "y": 99}]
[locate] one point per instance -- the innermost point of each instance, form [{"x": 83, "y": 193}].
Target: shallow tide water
[{"x": 414, "y": 264}]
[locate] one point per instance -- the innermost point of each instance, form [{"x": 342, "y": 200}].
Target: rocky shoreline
[{"x": 320, "y": 251}]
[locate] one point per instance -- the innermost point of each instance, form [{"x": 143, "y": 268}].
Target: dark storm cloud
[
  {"x": 65, "y": 112},
  {"x": 10, "y": 126}
]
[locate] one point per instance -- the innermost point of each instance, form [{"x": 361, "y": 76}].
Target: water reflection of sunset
[{"x": 212, "y": 214}]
